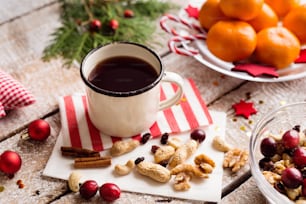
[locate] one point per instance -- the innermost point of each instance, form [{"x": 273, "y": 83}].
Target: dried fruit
[
  {"x": 109, "y": 192},
  {"x": 164, "y": 138},
  {"x": 268, "y": 147},
  {"x": 89, "y": 189},
  {"x": 299, "y": 157},
  {"x": 291, "y": 139},
  {"x": 145, "y": 138},
  {"x": 292, "y": 177},
  {"x": 198, "y": 135}
]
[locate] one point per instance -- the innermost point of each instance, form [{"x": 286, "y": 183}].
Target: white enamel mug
[{"x": 126, "y": 114}]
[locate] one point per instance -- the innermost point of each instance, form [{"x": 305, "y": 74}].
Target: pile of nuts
[
  {"x": 169, "y": 160},
  {"x": 284, "y": 163}
]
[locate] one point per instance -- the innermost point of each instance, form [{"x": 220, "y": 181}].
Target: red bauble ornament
[
  {"x": 39, "y": 130},
  {"x": 10, "y": 162},
  {"x": 128, "y": 13},
  {"x": 95, "y": 25},
  {"x": 109, "y": 192},
  {"x": 114, "y": 24}
]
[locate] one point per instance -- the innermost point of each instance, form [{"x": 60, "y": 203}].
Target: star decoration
[
  {"x": 256, "y": 70},
  {"x": 193, "y": 12},
  {"x": 244, "y": 109},
  {"x": 302, "y": 57}
]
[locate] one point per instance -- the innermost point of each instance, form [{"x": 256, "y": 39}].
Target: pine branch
[{"x": 74, "y": 39}]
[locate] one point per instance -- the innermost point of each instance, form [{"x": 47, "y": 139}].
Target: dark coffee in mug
[{"x": 122, "y": 74}]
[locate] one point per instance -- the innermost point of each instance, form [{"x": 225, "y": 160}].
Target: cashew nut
[
  {"x": 154, "y": 171},
  {"x": 164, "y": 153},
  {"x": 219, "y": 144},
  {"x": 74, "y": 181},
  {"x": 123, "y": 146},
  {"x": 124, "y": 169},
  {"x": 183, "y": 153}
]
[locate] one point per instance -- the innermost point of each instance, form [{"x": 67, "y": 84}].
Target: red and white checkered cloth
[
  {"x": 78, "y": 131},
  {"x": 12, "y": 94}
]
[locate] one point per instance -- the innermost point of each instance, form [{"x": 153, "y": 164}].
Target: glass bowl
[{"x": 275, "y": 122}]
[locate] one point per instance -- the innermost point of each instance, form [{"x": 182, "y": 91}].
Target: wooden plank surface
[{"x": 24, "y": 34}]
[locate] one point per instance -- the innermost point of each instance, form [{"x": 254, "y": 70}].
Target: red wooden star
[
  {"x": 193, "y": 12},
  {"x": 256, "y": 70},
  {"x": 302, "y": 57},
  {"x": 244, "y": 109}
]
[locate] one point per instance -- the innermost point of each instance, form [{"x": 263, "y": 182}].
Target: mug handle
[{"x": 172, "y": 77}]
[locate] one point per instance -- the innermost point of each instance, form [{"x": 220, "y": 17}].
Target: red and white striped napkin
[
  {"x": 12, "y": 94},
  {"x": 78, "y": 131}
]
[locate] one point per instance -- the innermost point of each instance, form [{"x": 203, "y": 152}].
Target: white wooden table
[{"x": 25, "y": 28}]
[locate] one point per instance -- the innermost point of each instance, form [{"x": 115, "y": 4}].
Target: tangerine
[
  {"x": 266, "y": 18},
  {"x": 241, "y": 9},
  {"x": 295, "y": 21},
  {"x": 282, "y": 7},
  {"x": 210, "y": 13},
  {"x": 231, "y": 40},
  {"x": 277, "y": 46}
]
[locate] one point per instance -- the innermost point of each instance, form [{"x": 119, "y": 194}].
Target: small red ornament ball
[
  {"x": 39, "y": 130},
  {"x": 114, "y": 24},
  {"x": 95, "y": 25},
  {"x": 10, "y": 162},
  {"x": 128, "y": 13}
]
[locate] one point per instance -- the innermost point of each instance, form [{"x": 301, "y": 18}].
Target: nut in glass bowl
[{"x": 277, "y": 154}]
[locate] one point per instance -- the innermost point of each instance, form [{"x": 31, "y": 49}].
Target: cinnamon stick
[
  {"x": 78, "y": 152},
  {"x": 93, "y": 162}
]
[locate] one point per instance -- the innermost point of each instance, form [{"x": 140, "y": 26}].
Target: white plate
[{"x": 205, "y": 57}]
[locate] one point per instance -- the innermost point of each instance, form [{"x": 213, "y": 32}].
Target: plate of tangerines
[{"x": 255, "y": 40}]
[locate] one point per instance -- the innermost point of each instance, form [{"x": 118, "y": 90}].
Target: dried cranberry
[
  {"x": 145, "y": 138},
  {"x": 164, "y": 163},
  {"x": 297, "y": 128},
  {"x": 198, "y": 135},
  {"x": 164, "y": 138},
  {"x": 138, "y": 160},
  {"x": 154, "y": 148}
]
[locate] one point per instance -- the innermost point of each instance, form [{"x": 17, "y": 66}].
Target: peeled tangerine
[{"x": 277, "y": 46}]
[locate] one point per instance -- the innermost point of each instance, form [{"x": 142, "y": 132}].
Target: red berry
[
  {"x": 10, "y": 162},
  {"x": 128, "y": 13},
  {"x": 291, "y": 139},
  {"x": 39, "y": 130},
  {"x": 109, "y": 192},
  {"x": 304, "y": 188},
  {"x": 198, "y": 135},
  {"x": 95, "y": 25},
  {"x": 268, "y": 147},
  {"x": 299, "y": 157},
  {"x": 114, "y": 24},
  {"x": 88, "y": 189},
  {"x": 292, "y": 177}
]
